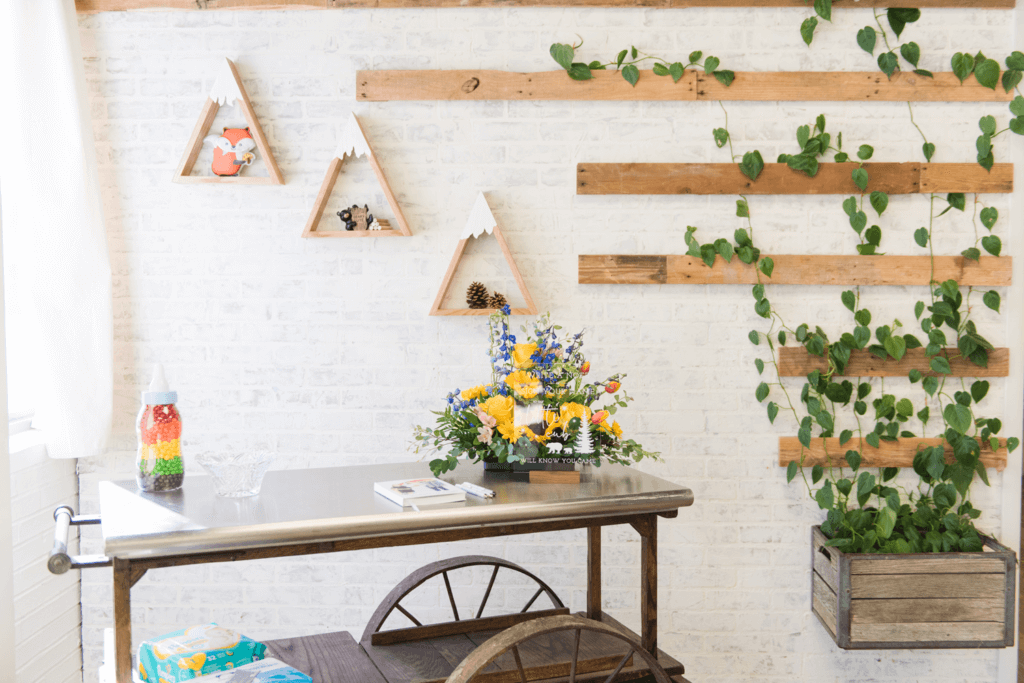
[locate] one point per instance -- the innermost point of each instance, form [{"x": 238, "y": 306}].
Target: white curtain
[{"x": 55, "y": 242}]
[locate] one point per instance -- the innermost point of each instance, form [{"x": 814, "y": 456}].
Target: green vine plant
[
  {"x": 627, "y": 61},
  {"x": 866, "y": 510},
  {"x": 986, "y": 71}
]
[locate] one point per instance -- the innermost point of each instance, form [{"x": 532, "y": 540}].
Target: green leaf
[
  {"x": 767, "y": 265},
  {"x": 791, "y": 470},
  {"x": 633, "y": 51},
  {"x": 992, "y": 244},
  {"x": 631, "y": 74},
  {"x": 676, "y": 72},
  {"x": 971, "y": 253},
  {"x": 987, "y": 73},
  {"x": 845, "y": 436},
  {"x": 957, "y": 200},
  {"x": 886, "y": 522},
  {"x": 660, "y": 69},
  {"x": 816, "y": 472},
  {"x": 991, "y": 299},
  {"x": 763, "y": 308},
  {"x": 865, "y": 487},
  {"x": 1017, "y": 125},
  {"x": 904, "y": 407},
  {"x": 924, "y": 72},
  {"x": 979, "y": 389},
  {"x": 923, "y": 414},
  {"x": 579, "y": 71},
  {"x": 782, "y": 337},
  {"x": 866, "y": 39},
  {"x": 823, "y": 8},
  {"x": 940, "y": 365},
  {"x": 888, "y": 62},
  {"x": 863, "y": 317},
  {"x": 752, "y": 164},
  {"x": 921, "y": 237},
  {"x": 773, "y": 410},
  {"x": 929, "y": 150},
  {"x": 873, "y": 235},
  {"x": 853, "y": 458},
  {"x": 958, "y": 417},
  {"x": 759, "y": 364},
  {"x": 931, "y": 384},
  {"x": 621, "y": 58},
  {"x": 695, "y": 56},
  {"x": 710, "y": 64},
  {"x": 758, "y": 291},
  {"x": 872, "y": 439},
  {"x": 858, "y": 221},
  {"x": 850, "y": 206},
  {"x": 865, "y": 152},
  {"x": 879, "y": 201},
  {"x": 935, "y": 462},
  {"x": 754, "y": 337},
  {"x": 803, "y": 134},
  {"x": 989, "y": 216},
  {"x": 860, "y": 178},
  {"x": 898, "y": 18},
  {"x": 918, "y": 309},
  {"x": 849, "y": 300},
  {"x": 963, "y": 65},
  {"x": 807, "y": 29},
  {"x": 914, "y": 376},
  {"x": 911, "y": 52},
  {"x": 895, "y": 346},
  {"x": 825, "y": 496},
  {"x": 762, "y": 392},
  {"x": 742, "y": 209},
  {"x": 987, "y": 124},
  {"x": 1012, "y": 443},
  {"x": 721, "y": 136},
  {"x": 1015, "y": 61},
  {"x": 562, "y": 54},
  {"x": 725, "y": 77},
  {"x": 1017, "y": 106}
]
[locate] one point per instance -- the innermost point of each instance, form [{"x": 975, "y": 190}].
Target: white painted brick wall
[
  {"x": 46, "y": 607},
  {"x": 323, "y": 351}
]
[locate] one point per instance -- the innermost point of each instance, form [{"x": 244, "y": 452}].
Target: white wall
[{"x": 323, "y": 350}]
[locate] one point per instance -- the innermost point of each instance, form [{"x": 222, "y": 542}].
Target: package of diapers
[
  {"x": 195, "y": 651},
  {"x": 267, "y": 670}
]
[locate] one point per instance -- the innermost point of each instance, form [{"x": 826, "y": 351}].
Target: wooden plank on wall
[
  {"x": 797, "y": 362},
  {"x": 86, "y": 6},
  {"x": 989, "y": 271},
  {"x": 775, "y": 179},
  {"x": 888, "y": 454},
  {"x": 811, "y": 86}
]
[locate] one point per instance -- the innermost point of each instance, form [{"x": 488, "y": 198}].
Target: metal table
[{"x": 302, "y": 512}]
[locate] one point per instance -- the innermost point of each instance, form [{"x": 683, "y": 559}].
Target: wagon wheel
[
  {"x": 473, "y": 667},
  {"x": 461, "y": 623}
]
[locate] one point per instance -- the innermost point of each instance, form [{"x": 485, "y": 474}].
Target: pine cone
[
  {"x": 476, "y": 296},
  {"x": 497, "y": 301}
]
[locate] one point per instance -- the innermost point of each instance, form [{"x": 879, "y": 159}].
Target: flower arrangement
[{"x": 537, "y": 405}]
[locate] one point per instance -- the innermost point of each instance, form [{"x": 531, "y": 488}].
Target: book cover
[{"x": 429, "y": 491}]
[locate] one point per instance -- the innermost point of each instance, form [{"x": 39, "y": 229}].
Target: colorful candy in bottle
[{"x": 159, "y": 466}]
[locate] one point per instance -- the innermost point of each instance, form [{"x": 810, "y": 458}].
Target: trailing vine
[
  {"x": 627, "y": 61},
  {"x": 986, "y": 71},
  {"x": 865, "y": 513}
]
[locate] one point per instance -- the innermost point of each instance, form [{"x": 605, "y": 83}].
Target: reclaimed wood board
[
  {"x": 888, "y": 454},
  {"x": 795, "y": 361},
  {"x": 794, "y": 269},
  {"x": 916, "y": 600},
  {"x": 749, "y": 86},
  {"x": 327, "y": 658},
  {"x": 90, "y": 6},
  {"x": 776, "y": 179}
]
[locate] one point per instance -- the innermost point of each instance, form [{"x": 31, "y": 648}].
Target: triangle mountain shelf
[
  {"x": 227, "y": 89},
  {"x": 353, "y": 142},
  {"x": 481, "y": 220}
]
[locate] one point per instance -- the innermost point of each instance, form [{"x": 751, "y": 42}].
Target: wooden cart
[{"x": 305, "y": 512}]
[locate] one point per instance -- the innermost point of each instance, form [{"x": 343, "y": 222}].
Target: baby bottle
[{"x": 159, "y": 466}]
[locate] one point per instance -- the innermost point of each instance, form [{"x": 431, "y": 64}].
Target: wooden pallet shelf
[
  {"x": 797, "y": 362},
  {"x": 89, "y": 6},
  {"x": 750, "y": 86},
  {"x": 889, "y": 454},
  {"x": 990, "y": 271},
  {"x": 726, "y": 179}
]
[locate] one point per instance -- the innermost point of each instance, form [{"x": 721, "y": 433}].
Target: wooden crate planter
[{"x": 920, "y": 600}]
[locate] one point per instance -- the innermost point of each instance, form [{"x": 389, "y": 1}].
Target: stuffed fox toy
[{"x": 231, "y": 151}]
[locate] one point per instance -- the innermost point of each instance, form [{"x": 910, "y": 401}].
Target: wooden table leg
[
  {"x": 123, "y": 620},
  {"x": 647, "y": 527},
  {"x": 594, "y": 573}
]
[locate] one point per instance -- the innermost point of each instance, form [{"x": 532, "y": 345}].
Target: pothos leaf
[
  {"x": 866, "y": 39},
  {"x": 807, "y": 29}
]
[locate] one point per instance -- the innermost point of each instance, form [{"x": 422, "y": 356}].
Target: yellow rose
[
  {"x": 568, "y": 411},
  {"x": 521, "y": 355},
  {"x": 476, "y": 392},
  {"x": 500, "y": 408},
  {"x": 523, "y": 384}
]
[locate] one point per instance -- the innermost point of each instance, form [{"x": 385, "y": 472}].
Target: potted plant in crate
[{"x": 537, "y": 412}]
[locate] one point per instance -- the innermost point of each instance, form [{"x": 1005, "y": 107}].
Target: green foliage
[{"x": 626, "y": 63}]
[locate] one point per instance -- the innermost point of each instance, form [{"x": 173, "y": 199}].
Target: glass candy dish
[{"x": 237, "y": 474}]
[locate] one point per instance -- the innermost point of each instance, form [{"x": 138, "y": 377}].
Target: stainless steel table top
[{"x": 331, "y": 504}]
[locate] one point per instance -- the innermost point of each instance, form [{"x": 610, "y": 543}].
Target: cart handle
[{"x": 59, "y": 561}]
